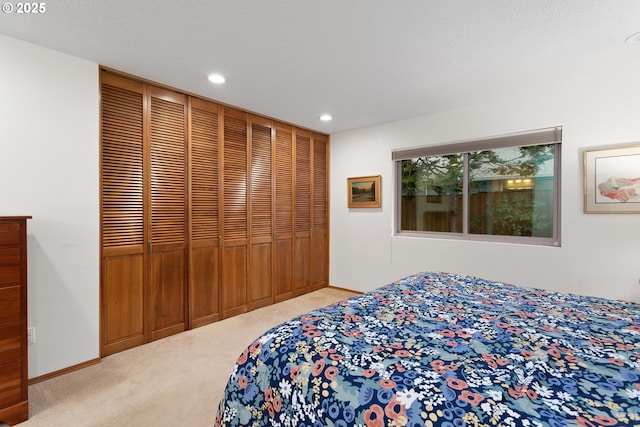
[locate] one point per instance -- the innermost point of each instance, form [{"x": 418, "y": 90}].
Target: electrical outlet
[{"x": 31, "y": 335}]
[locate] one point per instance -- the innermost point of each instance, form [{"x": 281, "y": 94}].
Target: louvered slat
[
  {"x": 167, "y": 172},
  {"x": 122, "y": 160},
  {"x": 319, "y": 184},
  {"x": 204, "y": 174},
  {"x": 303, "y": 183},
  {"x": 235, "y": 178},
  {"x": 260, "y": 180},
  {"x": 284, "y": 183}
]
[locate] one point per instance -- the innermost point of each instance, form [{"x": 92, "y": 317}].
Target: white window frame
[{"x": 536, "y": 137}]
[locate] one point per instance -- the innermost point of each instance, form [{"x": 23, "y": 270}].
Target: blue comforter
[{"x": 438, "y": 349}]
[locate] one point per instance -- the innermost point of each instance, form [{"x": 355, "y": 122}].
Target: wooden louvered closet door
[
  {"x": 235, "y": 218},
  {"x": 167, "y": 224},
  {"x": 122, "y": 215},
  {"x": 204, "y": 280},
  {"x": 206, "y": 212},
  {"x": 319, "y": 232},
  {"x": 283, "y": 283},
  {"x": 261, "y": 214},
  {"x": 302, "y": 211}
]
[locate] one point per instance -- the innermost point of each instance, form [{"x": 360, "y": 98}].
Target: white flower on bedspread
[
  {"x": 634, "y": 393},
  {"x": 409, "y": 396},
  {"x": 494, "y": 395},
  {"x": 285, "y": 388},
  {"x": 542, "y": 391}
]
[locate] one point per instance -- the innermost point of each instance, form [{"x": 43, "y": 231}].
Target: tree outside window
[{"x": 504, "y": 191}]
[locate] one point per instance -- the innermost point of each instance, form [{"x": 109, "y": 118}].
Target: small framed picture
[
  {"x": 612, "y": 180},
  {"x": 363, "y": 192}
]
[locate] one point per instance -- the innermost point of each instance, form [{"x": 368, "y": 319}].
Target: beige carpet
[{"x": 176, "y": 381}]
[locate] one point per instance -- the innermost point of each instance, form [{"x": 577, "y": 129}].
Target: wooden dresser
[{"x": 14, "y": 406}]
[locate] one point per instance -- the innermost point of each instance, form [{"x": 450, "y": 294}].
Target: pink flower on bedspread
[
  {"x": 318, "y": 367},
  {"x": 387, "y": 383},
  {"x": 600, "y": 420},
  {"x": 242, "y": 382},
  {"x": 472, "y": 398},
  {"x": 243, "y": 357},
  {"x": 331, "y": 373},
  {"x": 295, "y": 371},
  {"x": 395, "y": 411},
  {"x": 374, "y": 416},
  {"x": 457, "y": 384}
]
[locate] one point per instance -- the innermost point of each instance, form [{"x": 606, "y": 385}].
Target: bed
[{"x": 439, "y": 349}]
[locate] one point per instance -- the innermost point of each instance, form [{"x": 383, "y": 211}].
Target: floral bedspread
[{"x": 437, "y": 349}]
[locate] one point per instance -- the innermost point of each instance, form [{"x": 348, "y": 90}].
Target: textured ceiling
[{"x": 363, "y": 61}]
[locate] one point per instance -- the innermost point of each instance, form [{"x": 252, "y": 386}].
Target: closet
[{"x": 207, "y": 211}]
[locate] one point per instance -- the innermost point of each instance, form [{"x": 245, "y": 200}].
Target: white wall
[
  {"x": 49, "y": 169},
  {"x": 599, "y": 253}
]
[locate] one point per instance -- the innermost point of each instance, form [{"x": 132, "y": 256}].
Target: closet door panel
[
  {"x": 283, "y": 283},
  {"x": 301, "y": 265},
  {"x": 234, "y": 280},
  {"x": 168, "y": 216},
  {"x": 204, "y": 280},
  {"x": 283, "y": 269},
  {"x": 260, "y": 277},
  {"x": 261, "y": 213},
  {"x": 235, "y": 219},
  {"x": 121, "y": 215},
  {"x": 167, "y": 294},
  {"x": 204, "y": 297},
  {"x": 319, "y": 234},
  {"x": 302, "y": 211},
  {"x": 122, "y": 296}
]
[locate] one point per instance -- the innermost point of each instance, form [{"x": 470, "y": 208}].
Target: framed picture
[
  {"x": 612, "y": 180},
  {"x": 363, "y": 192}
]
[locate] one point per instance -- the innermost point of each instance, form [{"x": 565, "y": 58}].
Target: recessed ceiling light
[
  {"x": 216, "y": 78},
  {"x": 633, "y": 39},
  {"x": 326, "y": 117}
]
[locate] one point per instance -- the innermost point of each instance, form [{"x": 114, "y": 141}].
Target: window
[{"x": 502, "y": 188}]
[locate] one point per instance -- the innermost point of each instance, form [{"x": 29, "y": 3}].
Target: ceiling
[{"x": 362, "y": 61}]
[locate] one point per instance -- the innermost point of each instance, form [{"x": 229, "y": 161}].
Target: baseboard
[
  {"x": 345, "y": 289},
  {"x": 77, "y": 367}
]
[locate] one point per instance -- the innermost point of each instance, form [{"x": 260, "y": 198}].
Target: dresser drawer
[
  {"x": 10, "y": 233},
  {"x": 9, "y": 266},
  {"x": 10, "y": 383},
  {"x": 9, "y": 305},
  {"x": 10, "y": 343}
]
